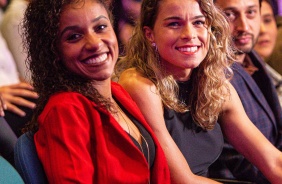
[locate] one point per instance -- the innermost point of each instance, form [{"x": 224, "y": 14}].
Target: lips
[
  {"x": 96, "y": 59},
  {"x": 243, "y": 39},
  {"x": 263, "y": 42}
]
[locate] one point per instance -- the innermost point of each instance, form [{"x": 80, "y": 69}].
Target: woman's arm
[
  {"x": 144, "y": 93},
  {"x": 248, "y": 140}
]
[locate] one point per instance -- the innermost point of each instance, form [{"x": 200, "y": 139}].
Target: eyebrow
[
  {"x": 235, "y": 8},
  {"x": 176, "y": 17},
  {"x": 75, "y": 26}
]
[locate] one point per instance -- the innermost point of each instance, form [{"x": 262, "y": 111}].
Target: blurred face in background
[
  {"x": 244, "y": 20},
  {"x": 3, "y": 3},
  {"x": 268, "y": 31},
  {"x": 131, "y": 12}
]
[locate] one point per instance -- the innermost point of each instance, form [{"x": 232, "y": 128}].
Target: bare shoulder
[
  {"x": 132, "y": 80},
  {"x": 232, "y": 102}
]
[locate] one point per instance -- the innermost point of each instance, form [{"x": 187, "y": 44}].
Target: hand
[
  {"x": 14, "y": 95},
  {"x": 3, "y": 106}
]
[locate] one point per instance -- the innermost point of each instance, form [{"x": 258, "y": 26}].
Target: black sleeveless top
[
  {"x": 200, "y": 147},
  {"x": 147, "y": 146}
]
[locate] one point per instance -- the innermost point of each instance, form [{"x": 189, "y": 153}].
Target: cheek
[
  {"x": 204, "y": 37},
  {"x": 113, "y": 44},
  {"x": 67, "y": 51},
  {"x": 273, "y": 32}
]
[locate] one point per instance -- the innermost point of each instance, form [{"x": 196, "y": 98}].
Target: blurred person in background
[
  {"x": 11, "y": 32},
  {"x": 267, "y": 40},
  {"x": 18, "y": 95},
  {"x": 255, "y": 88},
  {"x": 275, "y": 59},
  {"x": 126, "y": 14}
]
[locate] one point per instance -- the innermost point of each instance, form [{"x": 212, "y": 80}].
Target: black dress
[{"x": 199, "y": 147}]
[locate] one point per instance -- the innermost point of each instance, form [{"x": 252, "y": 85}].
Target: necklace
[{"x": 121, "y": 112}]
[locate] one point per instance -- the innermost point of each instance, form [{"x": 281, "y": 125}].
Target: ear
[{"x": 149, "y": 34}]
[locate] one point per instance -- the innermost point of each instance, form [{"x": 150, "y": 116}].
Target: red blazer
[{"x": 79, "y": 142}]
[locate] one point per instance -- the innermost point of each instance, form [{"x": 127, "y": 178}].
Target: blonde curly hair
[{"x": 209, "y": 79}]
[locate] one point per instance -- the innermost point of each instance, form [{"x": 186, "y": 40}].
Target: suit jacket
[
  {"x": 81, "y": 142},
  {"x": 260, "y": 101}
]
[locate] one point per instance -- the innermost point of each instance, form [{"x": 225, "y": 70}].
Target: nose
[
  {"x": 242, "y": 23},
  {"x": 188, "y": 32},
  {"x": 92, "y": 41},
  {"x": 262, "y": 28}
]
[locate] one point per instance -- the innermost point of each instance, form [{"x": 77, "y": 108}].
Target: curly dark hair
[{"x": 49, "y": 75}]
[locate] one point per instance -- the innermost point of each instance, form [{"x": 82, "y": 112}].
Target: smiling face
[
  {"x": 87, "y": 40},
  {"x": 268, "y": 31},
  {"x": 181, "y": 36},
  {"x": 244, "y": 19}
]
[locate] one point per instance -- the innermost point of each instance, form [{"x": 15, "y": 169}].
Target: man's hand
[{"x": 14, "y": 95}]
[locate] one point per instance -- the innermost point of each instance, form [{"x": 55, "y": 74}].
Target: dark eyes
[
  {"x": 232, "y": 15},
  {"x": 179, "y": 23},
  {"x": 199, "y": 22},
  {"x": 100, "y": 28},
  {"x": 76, "y": 35},
  {"x": 73, "y": 37}
]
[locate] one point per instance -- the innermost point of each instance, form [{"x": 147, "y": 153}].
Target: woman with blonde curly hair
[{"x": 177, "y": 69}]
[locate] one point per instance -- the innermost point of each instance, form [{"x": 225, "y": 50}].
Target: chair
[
  {"x": 27, "y": 162},
  {"x": 8, "y": 173}
]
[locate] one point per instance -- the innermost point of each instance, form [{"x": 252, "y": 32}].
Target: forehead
[
  {"x": 180, "y": 7},
  {"x": 87, "y": 9},
  {"x": 266, "y": 8},
  {"x": 236, "y": 4}
]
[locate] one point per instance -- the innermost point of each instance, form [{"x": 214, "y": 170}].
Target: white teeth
[
  {"x": 188, "y": 49},
  {"x": 97, "y": 59}
]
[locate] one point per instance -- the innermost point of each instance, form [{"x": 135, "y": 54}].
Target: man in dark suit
[{"x": 254, "y": 87}]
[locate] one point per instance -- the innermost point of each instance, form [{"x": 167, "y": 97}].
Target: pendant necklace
[{"x": 121, "y": 112}]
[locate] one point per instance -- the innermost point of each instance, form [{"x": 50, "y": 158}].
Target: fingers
[
  {"x": 3, "y": 106},
  {"x": 23, "y": 93},
  {"x": 15, "y": 109},
  {"x": 16, "y": 95},
  {"x": 21, "y": 90},
  {"x": 19, "y": 101}
]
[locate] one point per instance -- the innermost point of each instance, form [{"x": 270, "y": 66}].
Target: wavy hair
[
  {"x": 49, "y": 75},
  {"x": 209, "y": 79}
]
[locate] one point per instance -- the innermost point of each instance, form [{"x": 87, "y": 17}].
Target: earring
[{"x": 156, "y": 52}]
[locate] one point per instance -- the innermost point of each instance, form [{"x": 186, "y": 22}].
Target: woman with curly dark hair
[
  {"x": 177, "y": 69},
  {"x": 87, "y": 129}
]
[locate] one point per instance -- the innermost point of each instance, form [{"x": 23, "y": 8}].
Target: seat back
[
  {"x": 27, "y": 162},
  {"x": 8, "y": 173}
]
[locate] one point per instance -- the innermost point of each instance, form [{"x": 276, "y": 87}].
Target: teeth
[
  {"x": 97, "y": 59},
  {"x": 188, "y": 49}
]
